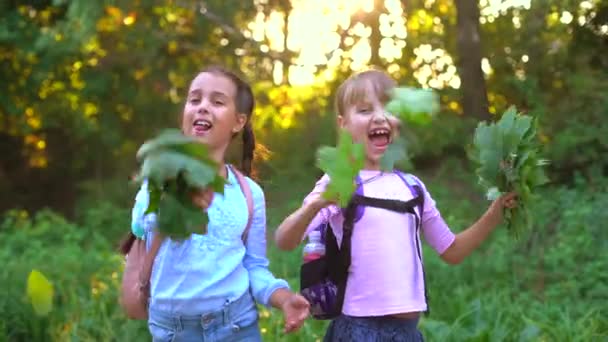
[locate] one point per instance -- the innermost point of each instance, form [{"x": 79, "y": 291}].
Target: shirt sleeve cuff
[
  {"x": 445, "y": 242},
  {"x": 278, "y": 284}
]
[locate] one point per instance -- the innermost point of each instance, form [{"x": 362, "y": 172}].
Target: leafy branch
[
  {"x": 507, "y": 155},
  {"x": 176, "y": 166}
]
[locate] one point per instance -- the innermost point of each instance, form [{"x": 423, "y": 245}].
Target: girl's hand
[
  {"x": 320, "y": 202},
  {"x": 202, "y": 198},
  {"x": 295, "y": 311},
  {"x": 496, "y": 210}
]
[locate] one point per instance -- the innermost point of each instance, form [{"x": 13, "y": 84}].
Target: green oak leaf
[
  {"x": 395, "y": 153},
  {"x": 178, "y": 219},
  {"x": 342, "y": 164},
  {"x": 409, "y": 105},
  {"x": 167, "y": 138},
  {"x": 413, "y": 105}
]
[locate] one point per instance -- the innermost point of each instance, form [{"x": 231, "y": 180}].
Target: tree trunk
[
  {"x": 371, "y": 20},
  {"x": 473, "y": 85},
  {"x": 376, "y": 35}
]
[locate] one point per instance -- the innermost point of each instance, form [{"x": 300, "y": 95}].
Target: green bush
[
  {"x": 84, "y": 270},
  {"x": 550, "y": 285}
]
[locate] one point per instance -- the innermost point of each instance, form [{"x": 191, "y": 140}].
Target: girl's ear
[
  {"x": 241, "y": 120},
  {"x": 340, "y": 121}
]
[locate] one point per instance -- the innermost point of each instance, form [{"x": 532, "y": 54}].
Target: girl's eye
[
  {"x": 195, "y": 100},
  {"x": 364, "y": 110},
  {"x": 219, "y": 103}
]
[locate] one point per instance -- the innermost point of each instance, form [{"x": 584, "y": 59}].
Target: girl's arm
[
  {"x": 290, "y": 232},
  {"x": 262, "y": 282},
  {"x": 469, "y": 239},
  {"x": 268, "y": 290}
]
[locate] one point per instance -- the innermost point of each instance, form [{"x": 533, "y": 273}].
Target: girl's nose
[
  {"x": 379, "y": 117},
  {"x": 203, "y": 107}
]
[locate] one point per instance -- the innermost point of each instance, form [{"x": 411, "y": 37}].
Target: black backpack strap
[
  {"x": 420, "y": 195},
  {"x": 388, "y": 204},
  {"x": 403, "y": 207},
  {"x": 338, "y": 259}
]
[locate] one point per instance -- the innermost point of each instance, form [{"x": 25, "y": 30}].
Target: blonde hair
[{"x": 356, "y": 89}]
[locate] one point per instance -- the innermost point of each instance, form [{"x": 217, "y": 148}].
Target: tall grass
[{"x": 551, "y": 285}]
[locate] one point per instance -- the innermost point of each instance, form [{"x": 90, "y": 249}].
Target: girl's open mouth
[
  {"x": 380, "y": 137},
  {"x": 201, "y": 126}
]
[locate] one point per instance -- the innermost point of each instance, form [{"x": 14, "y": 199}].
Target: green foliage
[
  {"x": 91, "y": 88},
  {"x": 409, "y": 105},
  {"x": 342, "y": 164},
  {"x": 413, "y": 105},
  {"x": 176, "y": 166},
  {"x": 502, "y": 292},
  {"x": 394, "y": 154},
  {"x": 85, "y": 273},
  {"x": 107, "y": 218},
  {"x": 508, "y": 157},
  {"x": 526, "y": 291},
  {"x": 91, "y": 79}
]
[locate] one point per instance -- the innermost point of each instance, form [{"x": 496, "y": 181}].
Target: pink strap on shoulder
[{"x": 246, "y": 189}]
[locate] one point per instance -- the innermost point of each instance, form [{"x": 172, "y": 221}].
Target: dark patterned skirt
[{"x": 373, "y": 329}]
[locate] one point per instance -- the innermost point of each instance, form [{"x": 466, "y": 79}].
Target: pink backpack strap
[
  {"x": 148, "y": 263},
  {"x": 246, "y": 189}
]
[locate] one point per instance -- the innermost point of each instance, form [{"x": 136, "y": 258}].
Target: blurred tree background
[{"x": 86, "y": 82}]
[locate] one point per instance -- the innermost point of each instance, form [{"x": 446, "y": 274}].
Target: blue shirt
[{"x": 201, "y": 273}]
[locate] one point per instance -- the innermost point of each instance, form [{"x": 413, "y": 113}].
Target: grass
[{"x": 551, "y": 285}]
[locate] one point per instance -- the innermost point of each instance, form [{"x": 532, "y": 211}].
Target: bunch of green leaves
[
  {"x": 342, "y": 164},
  {"x": 175, "y": 167},
  {"x": 413, "y": 105},
  {"x": 507, "y": 155},
  {"x": 410, "y": 106}
]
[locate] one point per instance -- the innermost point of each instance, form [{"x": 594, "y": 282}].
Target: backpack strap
[
  {"x": 146, "y": 270},
  {"x": 339, "y": 258},
  {"x": 246, "y": 189},
  {"x": 388, "y": 204},
  {"x": 416, "y": 189}
]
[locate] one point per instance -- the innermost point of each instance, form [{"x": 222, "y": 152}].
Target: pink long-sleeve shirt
[{"x": 385, "y": 276}]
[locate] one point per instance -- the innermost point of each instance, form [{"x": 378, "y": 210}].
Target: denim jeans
[{"x": 236, "y": 321}]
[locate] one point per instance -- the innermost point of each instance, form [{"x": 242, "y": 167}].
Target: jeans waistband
[{"x": 216, "y": 317}]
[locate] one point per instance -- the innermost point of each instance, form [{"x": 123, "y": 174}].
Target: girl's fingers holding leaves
[
  {"x": 509, "y": 200},
  {"x": 512, "y": 203},
  {"x": 208, "y": 195},
  {"x": 510, "y": 196},
  {"x": 202, "y": 198},
  {"x": 197, "y": 201}
]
